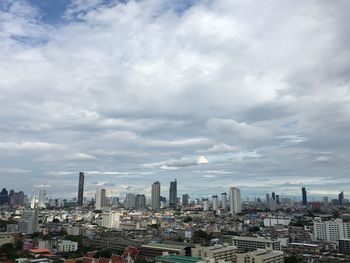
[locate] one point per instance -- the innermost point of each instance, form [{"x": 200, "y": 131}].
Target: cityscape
[{"x": 174, "y": 131}]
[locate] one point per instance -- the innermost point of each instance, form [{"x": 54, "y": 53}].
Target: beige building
[
  {"x": 218, "y": 253},
  {"x": 6, "y": 238},
  {"x": 244, "y": 244},
  {"x": 261, "y": 256}
]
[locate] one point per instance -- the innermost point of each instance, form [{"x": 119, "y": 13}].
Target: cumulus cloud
[{"x": 111, "y": 86}]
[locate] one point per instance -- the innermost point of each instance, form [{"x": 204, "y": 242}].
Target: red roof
[{"x": 39, "y": 250}]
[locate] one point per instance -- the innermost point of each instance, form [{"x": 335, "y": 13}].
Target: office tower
[
  {"x": 29, "y": 222},
  {"x": 224, "y": 201},
  {"x": 277, "y": 199},
  {"x": 215, "y": 202},
  {"x": 20, "y": 198},
  {"x": 341, "y": 198},
  {"x": 140, "y": 202},
  {"x": 185, "y": 199},
  {"x": 130, "y": 201},
  {"x": 205, "y": 204},
  {"x": 42, "y": 199},
  {"x": 304, "y": 195},
  {"x": 155, "y": 196},
  {"x": 81, "y": 189},
  {"x": 101, "y": 199},
  {"x": 173, "y": 194},
  {"x": 3, "y": 196},
  {"x": 273, "y": 196},
  {"x": 325, "y": 199},
  {"x": 32, "y": 201},
  {"x": 235, "y": 200},
  {"x": 267, "y": 198}
]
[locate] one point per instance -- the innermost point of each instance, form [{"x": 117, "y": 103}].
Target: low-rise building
[
  {"x": 261, "y": 256},
  {"x": 244, "y": 244},
  {"x": 177, "y": 259},
  {"x": 218, "y": 253},
  {"x": 6, "y": 238},
  {"x": 67, "y": 246}
]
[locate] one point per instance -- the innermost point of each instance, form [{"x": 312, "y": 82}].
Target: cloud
[
  {"x": 110, "y": 86},
  {"x": 239, "y": 130},
  {"x": 220, "y": 148}
]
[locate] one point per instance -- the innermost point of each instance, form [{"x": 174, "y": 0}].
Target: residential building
[
  {"x": 155, "y": 196},
  {"x": 244, "y": 244},
  {"x": 235, "y": 200},
  {"x": 261, "y": 256},
  {"x": 216, "y": 253}
]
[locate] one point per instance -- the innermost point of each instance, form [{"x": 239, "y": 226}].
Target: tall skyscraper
[
  {"x": 267, "y": 198},
  {"x": 235, "y": 200},
  {"x": 185, "y": 199},
  {"x": 42, "y": 199},
  {"x": 173, "y": 194},
  {"x": 215, "y": 202},
  {"x": 130, "y": 201},
  {"x": 81, "y": 189},
  {"x": 156, "y": 196},
  {"x": 224, "y": 201},
  {"x": 304, "y": 195},
  {"x": 101, "y": 199},
  {"x": 32, "y": 200},
  {"x": 140, "y": 202},
  {"x": 341, "y": 198}
]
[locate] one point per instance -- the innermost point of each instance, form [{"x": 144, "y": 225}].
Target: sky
[{"x": 215, "y": 93}]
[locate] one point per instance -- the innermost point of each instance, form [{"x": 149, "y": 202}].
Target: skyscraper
[
  {"x": 101, "y": 199},
  {"x": 341, "y": 198},
  {"x": 224, "y": 201},
  {"x": 156, "y": 196},
  {"x": 32, "y": 201},
  {"x": 304, "y": 196},
  {"x": 185, "y": 199},
  {"x": 140, "y": 202},
  {"x": 81, "y": 189},
  {"x": 42, "y": 199},
  {"x": 130, "y": 201},
  {"x": 215, "y": 203},
  {"x": 235, "y": 200},
  {"x": 173, "y": 194}
]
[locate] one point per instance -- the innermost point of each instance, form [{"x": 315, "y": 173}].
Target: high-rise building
[
  {"x": 235, "y": 200},
  {"x": 277, "y": 199},
  {"x": 140, "y": 202},
  {"x": 20, "y": 198},
  {"x": 341, "y": 198},
  {"x": 42, "y": 199},
  {"x": 215, "y": 203},
  {"x": 205, "y": 204},
  {"x": 81, "y": 189},
  {"x": 224, "y": 201},
  {"x": 156, "y": 196},
  {"x": 267, "y": 198},
  {"x": 304, "y": 195},
  {"x": 185, "y": 199},
  {"x": 173, "y": 194},
  {"x": 3, "y": 196},
  {"x": 101, "y": 199},
  {"x": 32, "y": 200},
  {"x": 130, "y": 201}
]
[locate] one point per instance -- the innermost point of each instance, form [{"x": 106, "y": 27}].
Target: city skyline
[{"x": 216, "y": 94}]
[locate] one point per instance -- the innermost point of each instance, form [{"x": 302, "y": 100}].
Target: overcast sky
[{"x": 215, "y": 93}]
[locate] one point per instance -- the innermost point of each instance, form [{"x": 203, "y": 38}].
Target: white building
[
  {"x": 261, "y": 256},
  {"x": 42, "y": 199},
  {"x": 32, "y": 201},
  {"x": 215, "y": 203},
  {"x": 272, "y": 221},
  {"x": 235, "y": 200},
  {"x": 67, "y": 246},
  {"x": 205, "y": 204},
  {"x": 110, "y": 220},
  {"x": 331, "y": 230}
]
